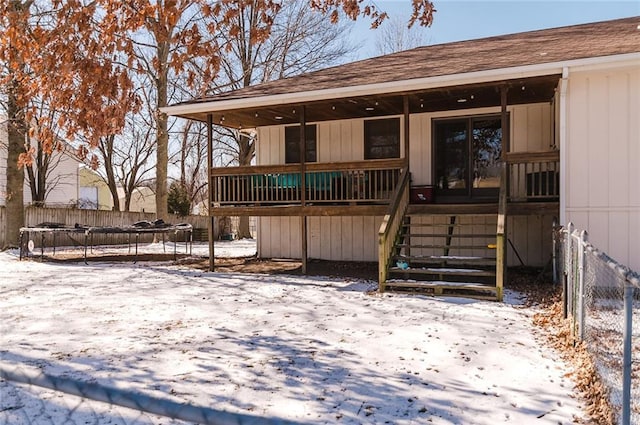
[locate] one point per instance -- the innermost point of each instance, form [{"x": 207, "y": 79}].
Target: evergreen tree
[{"x": 178, "y": 201}]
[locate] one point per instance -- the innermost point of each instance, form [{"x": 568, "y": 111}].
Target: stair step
[
  {"x": 447, "y": 224},
  {"x": 450, "y": 289},
  {"x": 480, "y": 261},
  {"x": 452, "y": 236},
  {"x": 443, "y": 271},
  {"x": 404, "y": 245},
  {"x": 439, "y": 283}
]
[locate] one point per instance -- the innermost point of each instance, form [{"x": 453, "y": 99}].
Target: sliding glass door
[{"x": 467, "y": 158}]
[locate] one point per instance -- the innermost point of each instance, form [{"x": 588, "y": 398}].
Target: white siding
[
  {"x": 603, "y": 156},
  {"x": 340, "y": 141},
  {"x": 62, "y": 179},
  {"x": 328, "y": 238}
]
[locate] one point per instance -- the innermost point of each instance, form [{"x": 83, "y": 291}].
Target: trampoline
[{"x": 87, "y": 233}]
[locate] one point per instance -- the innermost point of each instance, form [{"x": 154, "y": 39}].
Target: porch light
[
  {"x": 462, "y": 100},
  {"x": 278, "y": 117},
  {"x": 256, "y": 115}
]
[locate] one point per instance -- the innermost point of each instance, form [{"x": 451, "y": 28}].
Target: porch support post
[
  {"x": 506, "y": 143},
  {"x": 501, "y": 232},
  {"x": 303, "y": 185},
  {"x": 211, "y": 232},
  {"x": 405, "y": 102},
  {"x": 405, "y": 107}
]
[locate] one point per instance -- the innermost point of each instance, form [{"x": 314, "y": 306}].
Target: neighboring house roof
[
  {"x": 555, "y": 47},
  {"x": 143, "y": 199}
]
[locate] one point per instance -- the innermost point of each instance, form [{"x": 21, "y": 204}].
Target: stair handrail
[
  {"x": 391, "y": 226},
  {"x": 501, "y": 231}
]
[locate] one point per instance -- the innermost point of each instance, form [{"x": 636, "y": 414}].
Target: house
[
  {"x": 143, "y": 199},
  {"x": 61, "y": 178},
  {"x": 94, "y": 191},
  {"x": 444, "y": 163}
]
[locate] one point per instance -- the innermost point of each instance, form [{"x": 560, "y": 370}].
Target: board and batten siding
[
  {"x": 328, "y": 238},
  {"x": 602, "y": 161}
]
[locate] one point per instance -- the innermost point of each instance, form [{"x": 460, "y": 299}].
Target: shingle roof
[{"x": 599, "y": 39}]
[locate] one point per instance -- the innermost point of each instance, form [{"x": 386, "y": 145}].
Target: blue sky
[{"x": 468, "y": 19}]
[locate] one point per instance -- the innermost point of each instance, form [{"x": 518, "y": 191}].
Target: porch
[{"x": 528, "y": 186}]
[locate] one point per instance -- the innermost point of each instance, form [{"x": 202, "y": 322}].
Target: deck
[{"x": 366, "y": 188}]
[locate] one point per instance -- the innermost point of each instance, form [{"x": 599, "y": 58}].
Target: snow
[{"x": 308, "y": 349}]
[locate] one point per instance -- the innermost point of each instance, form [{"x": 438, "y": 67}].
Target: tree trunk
[
  {"x": 15, "y": 174},
  {"x": 162, "y": 135},
  {"x": 246, "y": 149}
]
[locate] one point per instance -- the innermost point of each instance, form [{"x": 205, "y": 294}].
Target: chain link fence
[
  {"x": 31, "y": 397},
  {"x": 602, "y": 300}
]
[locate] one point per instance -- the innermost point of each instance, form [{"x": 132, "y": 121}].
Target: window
[
  {"x": 292, "y": 144},
  {"x": 382, "y": 138},
  {"x": 467, "y": 154}
]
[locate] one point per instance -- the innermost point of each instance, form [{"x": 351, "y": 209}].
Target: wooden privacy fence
[
  {"x": 3, "y": 219},
  {"x": 68, "y": 217}
]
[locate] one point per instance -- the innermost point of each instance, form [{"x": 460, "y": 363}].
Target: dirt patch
[{"x": 342, "y": 269}]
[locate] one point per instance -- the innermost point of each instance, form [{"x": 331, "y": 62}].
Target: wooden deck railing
[
  {"x": 338, "y": 182},
  {"x": 390, "y": 228},
  {"x": 534, "y": 176}
]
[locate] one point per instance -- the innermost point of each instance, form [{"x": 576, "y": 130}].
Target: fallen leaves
[{"x": 585, "y": 375}]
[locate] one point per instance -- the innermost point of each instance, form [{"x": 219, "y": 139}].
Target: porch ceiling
[{"x": 526, "y": 90}]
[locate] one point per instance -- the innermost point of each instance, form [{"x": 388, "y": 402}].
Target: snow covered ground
[{"x": 307, "y": 349}]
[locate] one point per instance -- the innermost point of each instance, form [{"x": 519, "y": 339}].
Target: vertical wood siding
[
  {"x": 602, "y": 163},
  {"x": 329, "y": 238}
]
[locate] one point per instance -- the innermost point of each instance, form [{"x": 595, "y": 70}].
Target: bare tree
[
  {"x": 301, "y": 40},
  {"x": 394, "y": 35},
  {"x": 126, "y": 160},
  {"x": 192, "y": 161}
]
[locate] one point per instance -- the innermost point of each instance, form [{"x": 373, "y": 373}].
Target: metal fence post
[
  {"x": 582, "y": 242},
  {"x": 554, "y": 251},
  {"x": 568, "y": 270},
  {"x": 626, "y": 357}
]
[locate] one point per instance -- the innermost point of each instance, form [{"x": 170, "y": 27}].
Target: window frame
[
  {"x": 292, "y": 144},
  {"x": 388, "y": 126}
]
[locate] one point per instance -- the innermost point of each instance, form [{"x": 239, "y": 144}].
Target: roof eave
[{"x": 187, "y": 110}]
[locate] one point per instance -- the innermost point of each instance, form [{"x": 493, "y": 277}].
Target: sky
[{"x": 457, "y": 20}]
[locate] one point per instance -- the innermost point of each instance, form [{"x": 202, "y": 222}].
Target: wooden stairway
[{"x": 446, "y": 254}]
